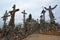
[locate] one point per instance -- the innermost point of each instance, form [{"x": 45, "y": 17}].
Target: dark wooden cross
[
  {"x": 24, "y": 16},
  {"x": 11, "y": 23},
  {"x": 12, "y": 13}
]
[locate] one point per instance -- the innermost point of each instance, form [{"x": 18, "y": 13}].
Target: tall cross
[
  {"x": 11, "y": 23},
  {"x": 24, "y": 16},
  {"x": 12, "y": 13}
]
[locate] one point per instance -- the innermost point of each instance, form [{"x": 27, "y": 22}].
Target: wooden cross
[
  {"x": 24, "y": 16},
  {"x": 5, "y": 17},
  {"x": 24, "y": 19},
  {"x": 12, "y": 13},
  {"x": 11, "y": 23},
  {"x": 5, "y": 25}
]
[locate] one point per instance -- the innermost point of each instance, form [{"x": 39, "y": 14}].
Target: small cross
[
  {"x": 24, "y": 14},
  {"x": 24, "y": 18},
  {"x": 5, "y": 18}
]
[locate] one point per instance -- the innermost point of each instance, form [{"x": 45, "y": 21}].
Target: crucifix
[
  {"x": 50, "y": 13},
  {"x": 11, "y": 23},
  {"x": 12, "y": 13},
  {"x": 24, "y": 13}
]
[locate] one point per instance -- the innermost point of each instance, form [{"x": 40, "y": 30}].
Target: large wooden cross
[
  {"x": 12, "y": 13},
  {"x": 11, "y": 23}
]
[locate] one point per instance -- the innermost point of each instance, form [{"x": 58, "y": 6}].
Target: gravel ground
[{"x": 42, "y": 37}]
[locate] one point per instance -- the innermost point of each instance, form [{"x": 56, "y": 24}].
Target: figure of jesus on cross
[
  {"x": 12, "y": 13},
  {"x": 11, "y": 23}
]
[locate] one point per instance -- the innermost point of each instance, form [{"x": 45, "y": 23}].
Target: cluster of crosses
[
  {"x": 12, "y": 14},
  {"x": 11, "y": 23},
  {"x": 51, "y": 16}
]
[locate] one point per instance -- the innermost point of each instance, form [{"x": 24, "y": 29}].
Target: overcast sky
[{"x": 31, "y": 6}]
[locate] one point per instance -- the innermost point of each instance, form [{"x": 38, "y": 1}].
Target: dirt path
[{"x": 42, "y": 37}]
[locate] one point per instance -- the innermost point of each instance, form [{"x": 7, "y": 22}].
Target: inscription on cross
[{"x": 12, "y": 13}]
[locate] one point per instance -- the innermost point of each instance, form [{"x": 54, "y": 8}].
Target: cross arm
[
  {"x": 14, "y": 11},
  {"x": 5, "y": 16},
  {"x": 23, "y": 13}
]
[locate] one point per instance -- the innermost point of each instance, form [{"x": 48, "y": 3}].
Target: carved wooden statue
[
  {"x": 50, "y": 12},
  {"x": 24, "y": 15}
]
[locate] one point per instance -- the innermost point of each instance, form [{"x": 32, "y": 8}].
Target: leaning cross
[{"x": 12, "y": 13}]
